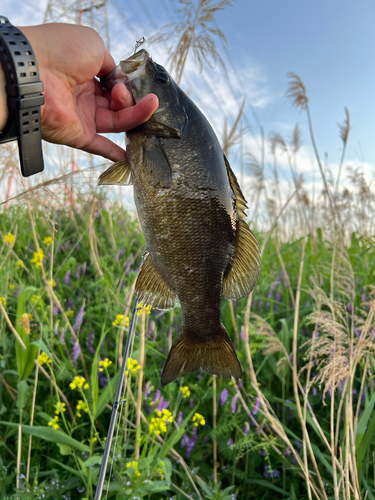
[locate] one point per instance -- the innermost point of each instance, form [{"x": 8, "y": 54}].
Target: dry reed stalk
[
  {"x": 94, "y": 254},
  {"x": 8, "y": 388},
  {"x": 286, "y": 275},
  {"x": 214, "y": 416},
  {"x": 140, "y": 384},
  {"x": 233, "y": 317},
  {"x": 32, "y": 418},
  {"x": 14, "y": 331}
]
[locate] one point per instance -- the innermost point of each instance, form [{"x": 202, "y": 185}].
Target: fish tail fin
[{"x": 189, "y": 353}]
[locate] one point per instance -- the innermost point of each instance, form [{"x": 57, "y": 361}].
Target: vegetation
[{"x": 300, "y": 424}]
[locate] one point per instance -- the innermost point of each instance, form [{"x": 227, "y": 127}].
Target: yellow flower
[
  {"x": 52, "y": 283},
  {"x": 135, "y": 467},
  {"x": 47, "y": 241},
  {"x": 119, "y": 320},
  {"x": 185, "y": 391},
  {"x": 12, "y": 286},
  {"x": 159, "y": 423},
  {"x": 82, "y": 406},
  {"x": 132, "y": 366},
  {"x": 141, "y": 306},
  {"x": 8, "y": 238},
  {"x": 19, "y": 263},
  {"x": 38, "y": 258},
  {"x": 198, "y": 419},
  {"x": 43, "y": 358},
  {"x": 53, "y": 422},
  {"x": 60, "y": 407},
  {"x": 104, "y": 364},
  {"x": 3, "y": 301},
  {"x": 79, "y": 382},
  {"x": 93, "y": 440},
  {"x": 35, "y": 299},
  {"x": 69, "y": 313}
]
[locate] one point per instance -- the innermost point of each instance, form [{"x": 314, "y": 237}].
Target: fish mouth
[{"x": 127, "y": 70}]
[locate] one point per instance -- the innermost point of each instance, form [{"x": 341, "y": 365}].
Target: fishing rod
[{"x": 116, "y": 404}]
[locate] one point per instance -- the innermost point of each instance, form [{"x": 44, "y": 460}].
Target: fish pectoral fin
[
  {"x": 214, "y": 355},
  {"x": 118, "y": 173},
  {"x": 156, "y": 163},
  {"x": 151, "y": 289},
  {"x": 245, "y": 268}
]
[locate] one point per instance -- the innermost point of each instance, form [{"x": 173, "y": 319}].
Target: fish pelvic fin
[
  {"x": 151, "y": 289},
  {"x": 214, "y": 355},
  {"x": 118, "y": 173}
]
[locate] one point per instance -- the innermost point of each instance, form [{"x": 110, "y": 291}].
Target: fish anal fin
[
  {"x": 151, "y": 289},
  {"x": 245, "y": 268},
  {"x": 118, "y": 173},
  {"x": 214, "y": 355}
]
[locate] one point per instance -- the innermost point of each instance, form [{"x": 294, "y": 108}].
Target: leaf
[
  {"x": 23, "y": 394},
  {"x": 267, "y": 484},
  {"x": 49, "y": 434},
  {"x": 94, "y": 375},
  {"x": 95, "y": 460},
  {"x": 365, "y": 442},
  {"x": 69, "y": 469},
  {"x": 363, "y": 421},
  {"x": 107, "y": 395},
  {"x": 65, "y": 449}
]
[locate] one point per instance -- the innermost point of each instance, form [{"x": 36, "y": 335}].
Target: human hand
[{"x": 77, "y": 109}]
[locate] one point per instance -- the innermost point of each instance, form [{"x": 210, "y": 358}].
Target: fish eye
[{"x": 162, "y": 78}]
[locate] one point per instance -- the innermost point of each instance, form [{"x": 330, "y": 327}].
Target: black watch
[{"x": 24, "y": 90}]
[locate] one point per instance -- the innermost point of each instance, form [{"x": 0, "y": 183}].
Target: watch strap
[{"x": 24, "y": 90}]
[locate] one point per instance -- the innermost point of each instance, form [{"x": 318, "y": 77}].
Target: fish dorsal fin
[
  {"x": 151, "y": 289},
  {"x": 241, "y": 203},
  {"x": 245, "y": 268},
  {"x": 118, "y": 173}
]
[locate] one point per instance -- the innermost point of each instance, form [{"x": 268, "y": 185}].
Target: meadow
[{"x": 300, "y": 424}]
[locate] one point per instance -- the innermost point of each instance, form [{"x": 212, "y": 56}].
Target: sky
[{"x": 329, "y": 44}]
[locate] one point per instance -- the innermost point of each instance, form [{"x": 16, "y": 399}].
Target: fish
[{"x": 199, "y": 248}]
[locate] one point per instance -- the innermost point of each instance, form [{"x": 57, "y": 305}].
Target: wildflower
[
  {"x": 35, "y": 299},
  {"x": 104, "y": 364},
  {"x": 8, "y": 238},
  {"x": 93, "y": 440},
  {"x": 69, "y": 313},
  {"x": 162, "y": 404},
  {"x": 234, "y": 403},
  {"x": 180, "y": 418},
  {"x": 198, "y": 419},
  {"x": 132, "y": 366},
  {"x": 12, "y": 287},
  {"x": 60, "y": 407},
  {"x": 52, "y": 283},
  {"x": 43, "y": 358},
  {"x": 146, "y": 308},
  {"x": 19, "y": 263},
  {"x": 66, "y": 278},
  {"x": 268, "y": 472},
  {"x": 3, "y": 301},
  {"x": 79, "y": 382},
  {"x": 185, "y": 391},
  {"x": 134, "y": 465},
  {"x": 48, "y": 241},
  {"x": 53, "y": 422},
  {"x": 349, "y": 307},
  {"x": 38, "y": 258},
  {"x": 191, "y": 445},
  {"x": 147, "y": 389},
  {"x": 81, "y": 406},
  {"x": 79, "y": 319},
  {"x": 224, "y": 396},
  {"x": 76, "y": 351},
  {"x": 119, "y": 320},
  {"x": 156, "y": 398},
  {"x": 159, "y": 423},
  {"x": 256, "y": 407}
]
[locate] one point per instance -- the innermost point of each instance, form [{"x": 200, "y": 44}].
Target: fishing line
[
  {"x": 137, "y": 44},
  {"x": 116, "y": 404}
]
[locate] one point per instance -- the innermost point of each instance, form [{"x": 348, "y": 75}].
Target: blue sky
[{"x": 329, "y": 44}]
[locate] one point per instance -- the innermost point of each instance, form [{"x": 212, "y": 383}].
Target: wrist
[{"x": 3, "y": 100}]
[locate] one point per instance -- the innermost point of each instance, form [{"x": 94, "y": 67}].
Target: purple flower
[
  {"x": 84, "y": 268},
  {"x": 224, "y": 396},
  {"x": 230, "y": 442},
  {"x": 184, "y": 440},
  {"x": 246, "y": 428},
  {"x": 59, "y": 249},
  {"x": 163, "y": 405},
  {"x": 78, "y": 272},
  {"x": 256, "y": 407},
  {"x": 242, "y": 333},
  {"x": 357, "y": 332},
  {"x": 191, "y": 403},
  {"x": 90, "y": 342},
  {"x": 147, "y": 389},
  {"x": 191, "y": 445},
  {"x": 62, "y": 336},
  {"x": 234, "y": 403},
  {"x": 66, "y": 278},
  {"x": 56, "y": 310},
  {"x": 349, "y": 307},
  {"x": 180, "y": 418},
  {"x": 157, "y": 396},
  {"x": 76, "y": 351},
  {"x": 278, "y": 296},
  {"x": 364, "y": 298},
  {"x": 79, "y": 318},
  {"x": 268, "y": 472}
]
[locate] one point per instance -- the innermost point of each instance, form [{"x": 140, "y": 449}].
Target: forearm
[{"x": 3, "y": 100}]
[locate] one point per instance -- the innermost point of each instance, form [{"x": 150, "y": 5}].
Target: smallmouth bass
[{"x": 191, "y": 210}]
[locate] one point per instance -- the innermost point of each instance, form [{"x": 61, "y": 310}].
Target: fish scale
[{"x": 191, "y": 210}]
